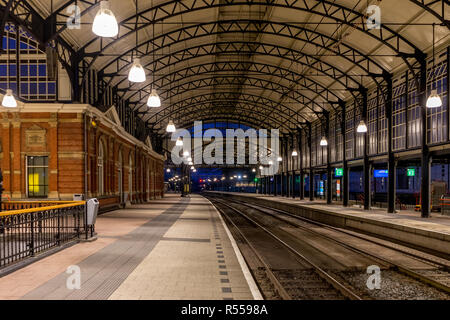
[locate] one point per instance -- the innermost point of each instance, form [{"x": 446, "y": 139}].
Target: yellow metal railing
[
  {"x": 11, "y": 207},
  {"x": 31, "y": 227}
]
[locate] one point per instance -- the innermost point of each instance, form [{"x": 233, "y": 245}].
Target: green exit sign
[
  {"x": 339, "y": 172},
  {"x": 411, "y": 172}
]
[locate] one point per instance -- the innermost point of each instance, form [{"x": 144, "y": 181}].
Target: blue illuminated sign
[{"x": 380, "y": 173}]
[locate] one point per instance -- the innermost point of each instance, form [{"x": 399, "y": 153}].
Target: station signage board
[
  {"x": 339, "y": 172},
  {"x": 380, "y": 173}
]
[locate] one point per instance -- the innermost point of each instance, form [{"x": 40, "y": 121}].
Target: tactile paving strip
[{"x": 103, "y": 272}]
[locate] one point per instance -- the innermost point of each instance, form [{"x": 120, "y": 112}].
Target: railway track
[
  {"x": 437, "y": 276},
  {"x": 303, "y": 279}
]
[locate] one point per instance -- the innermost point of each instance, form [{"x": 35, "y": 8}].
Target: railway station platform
[
  {"x": 172, "y": 248},
  {"x": 406, "y": 227}
]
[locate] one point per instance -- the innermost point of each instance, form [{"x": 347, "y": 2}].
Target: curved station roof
[{"x": 277, "y": 63}]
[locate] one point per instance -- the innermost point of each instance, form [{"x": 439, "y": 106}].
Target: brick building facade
[{"x": 57, "y": 150}]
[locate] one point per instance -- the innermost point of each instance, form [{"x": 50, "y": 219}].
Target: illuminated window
[{"x": 37, "y": 177}]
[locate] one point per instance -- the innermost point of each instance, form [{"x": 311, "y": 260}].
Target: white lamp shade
[
  {"x": 270, "y": 162},
  {"x": 179, "y": 142},
  {"x": 279, "y": 159},
  {"x": 294, "y": 153},
  {"x": 260, "y": 167},
  {"x": 153, "y": 100},
  {"x": 105, "y": 23},
  {"x": 192, "y": 168},
  {"x": 189, "y": 159},
  {"x": 362, "y": 128},
  {"x": 186, "y": 154},
  {"x": 434, "y": 100},
  {"x": 195, "y": 170},
  {"x": 253, "y": 170},
  {"x": 137, "y": 72},
  {"x": 170, "y": 127},
  {"x": 323, "y": 142},
  {"x": 8, "y": 100},
  {"x": 168, "y": 170}
]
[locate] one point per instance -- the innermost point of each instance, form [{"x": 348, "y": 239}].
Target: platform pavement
[
  {"x": 173, "y": 248},
  {"x": 406, "y": 226}
]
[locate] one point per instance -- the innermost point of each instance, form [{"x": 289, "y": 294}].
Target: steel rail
[
  {"x": 322, "y": 273},
  {"x": 283, "y": 293},
  {"x": 397, "y": 266}
]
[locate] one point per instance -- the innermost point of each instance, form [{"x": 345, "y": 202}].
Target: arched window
[
  {"x": 101, "y": 175},
  {"x": 120, "y": 176},
  {"x": 130, "y": 177}
]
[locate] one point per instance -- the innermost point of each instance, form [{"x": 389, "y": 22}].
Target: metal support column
[
  {"x": 329, "y": 174},
  {"x": 345, "y": 176},
  {"x": 366, "y": 169},
  {"x": 311, "y": 171},
  {"x": 425, "y": 161},
  {"x": 300, "y": 150},
  {"x": 391, "y": 160}
]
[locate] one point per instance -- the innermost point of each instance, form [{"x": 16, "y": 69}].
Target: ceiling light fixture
[
  {"x": 8, "y": 100},
  {"x": 294, "y": 153},
  {"x": 434, "y": 100},
  {"x": 323, "y": 142},
  {"x": 179, "y": 142},
  {"x": 362, "y": 127},
  {"x": 171, "y": 127},
  {"x": 105, "y": 23},
  {"x": 153, "y": 99},
  {"x": 137, "y": 73}
]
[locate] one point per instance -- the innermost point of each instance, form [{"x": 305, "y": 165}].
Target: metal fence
[{"x": 35, "y": 228}]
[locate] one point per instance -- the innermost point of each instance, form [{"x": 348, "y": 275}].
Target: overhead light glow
[
  {"x": 179, "y": 142},
  {"x": 105, "y": 23},
  {"x": 323, "y": 142},
  {"x": 195, "y": 170},
  {"x": 137, "y": 72},
  {"x": 362, "y": 127},
  {"x": 294, "y": 153},
  {"x": 153, "y": 99},
  {"x": 270, "y": 162},
  {"x": 434, "y": 100},
  {"x": 186, "y": 154},
  {"x": 253, "y": 170},
  {"x": 8, "y": 100},
  {"x": 260, "y": 167},
  {"x": 168, "y": 170},
  {"x": 279, "y": 159},
  {"x": 171, "y": 127}
]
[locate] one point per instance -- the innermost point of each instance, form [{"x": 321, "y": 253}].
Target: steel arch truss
[
  {"x": 289, "y": 119},
  {"x": 319, "y": 67},
  {"x": 357, "y": 58},
  {"x": 231, "y": 69}
]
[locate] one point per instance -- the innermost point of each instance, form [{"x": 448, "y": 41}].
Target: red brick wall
[{"x": 64, "y": 145}]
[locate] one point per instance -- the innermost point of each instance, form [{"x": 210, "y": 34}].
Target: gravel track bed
[{"x": 394, "y": 286}]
